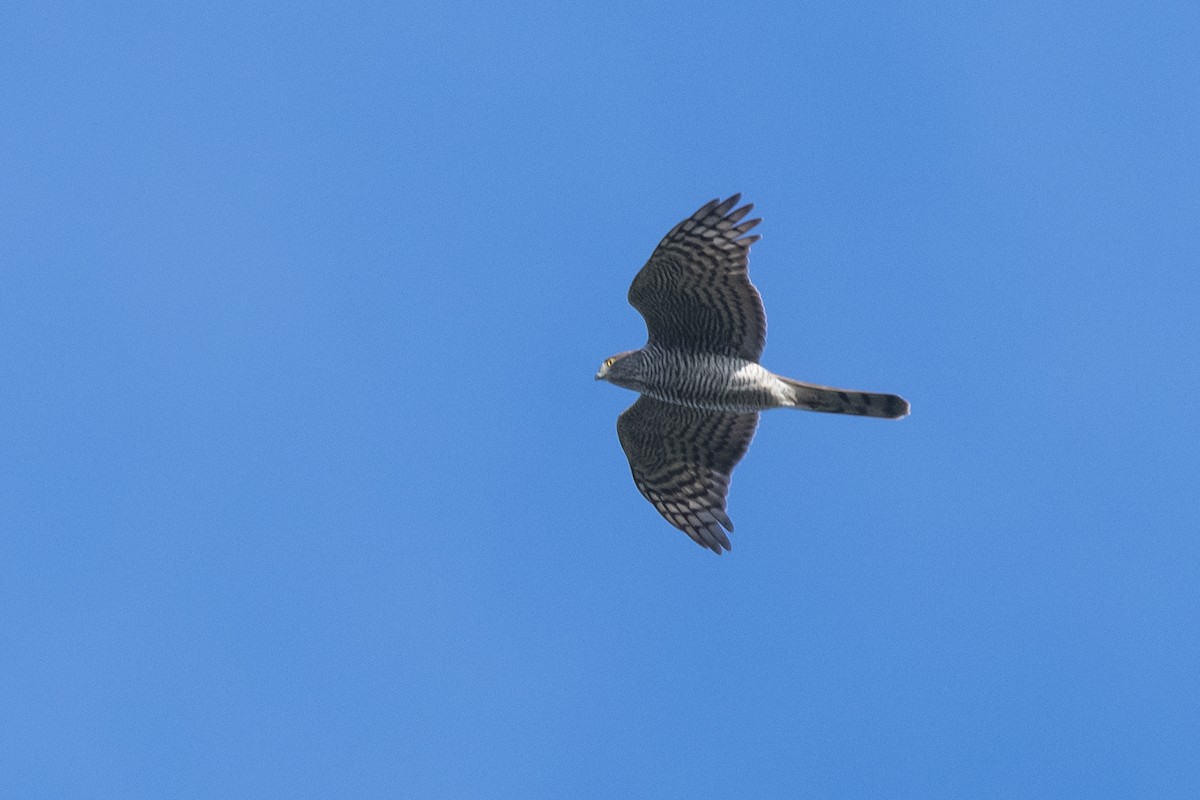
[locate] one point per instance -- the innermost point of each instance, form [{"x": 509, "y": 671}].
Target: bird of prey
[{"x": 700, "y": 381}]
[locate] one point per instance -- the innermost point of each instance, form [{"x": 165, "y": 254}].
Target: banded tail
[{"x": 812, "y": 397}]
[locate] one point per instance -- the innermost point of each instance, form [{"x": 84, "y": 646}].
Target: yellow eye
[{"x": 608, "y": 362}]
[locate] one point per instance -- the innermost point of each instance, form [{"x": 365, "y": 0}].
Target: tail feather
[{"x": 846, "y": 401}]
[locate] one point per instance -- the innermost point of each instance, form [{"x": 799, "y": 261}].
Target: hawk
[{"x": 700, "y": 381}]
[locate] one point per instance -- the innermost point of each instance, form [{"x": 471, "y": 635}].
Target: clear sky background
[{"x": 307, "y": 489}]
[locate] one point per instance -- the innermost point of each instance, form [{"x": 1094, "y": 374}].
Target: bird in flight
[{"x": 700, "y": 381}]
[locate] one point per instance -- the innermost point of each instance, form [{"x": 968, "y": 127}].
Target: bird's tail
[{"x": 845, "y": 401}]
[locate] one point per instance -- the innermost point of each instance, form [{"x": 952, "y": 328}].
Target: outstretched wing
[
  {"x": 695, "y": 293},
  {"x": 681, "y": 459}
]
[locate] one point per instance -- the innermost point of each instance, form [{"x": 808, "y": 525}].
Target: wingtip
[
  {"x": 725, "y": 206},
  {"x": 710, "y": 537},
  {"x": 719, "y": 538}
]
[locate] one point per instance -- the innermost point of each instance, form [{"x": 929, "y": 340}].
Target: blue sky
[{"x": 308, "y": 490}]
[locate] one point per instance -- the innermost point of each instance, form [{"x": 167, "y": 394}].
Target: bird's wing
[
  {"x": 682, "y": 458},
  {"x": 695, "y": 293}
]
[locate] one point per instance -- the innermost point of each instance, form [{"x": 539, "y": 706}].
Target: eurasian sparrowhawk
[{"x": 699, "y": 376}]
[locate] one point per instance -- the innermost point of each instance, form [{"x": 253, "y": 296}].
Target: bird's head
[{"x": 623, "y": 369}]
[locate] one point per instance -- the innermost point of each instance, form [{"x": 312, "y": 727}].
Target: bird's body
[
  {"x": 701, "y": 384},
  {"x": 706, "y": 381}
]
